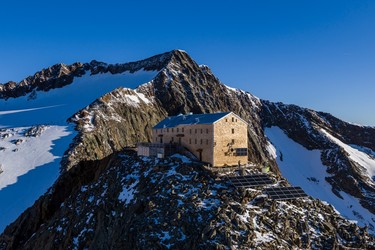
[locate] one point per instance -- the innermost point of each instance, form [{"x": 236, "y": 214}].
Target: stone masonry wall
[
  {"x": 195, "y": 138},
  {"x": 228, "y": 130}
]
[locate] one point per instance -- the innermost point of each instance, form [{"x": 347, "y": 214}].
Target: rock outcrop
[
  {"x": 129, "y": 202},
  {"x": 305, "y": 127},
  {"x": 108, "y": 199}
]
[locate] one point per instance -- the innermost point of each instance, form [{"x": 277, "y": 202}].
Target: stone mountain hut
[{"x": 219, "y": 139}]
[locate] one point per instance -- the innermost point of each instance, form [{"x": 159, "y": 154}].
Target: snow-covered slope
[
  {"x": 123, "y": 117},
  {"x": 365, "y": 160},
  {"x": 302, "y": 167},
  {"x": 56, "y": 105},
  {"x": 20, "y": 153}
]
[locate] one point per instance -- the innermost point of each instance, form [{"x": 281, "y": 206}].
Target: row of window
[
  {"x": 196, "y": 131},
  {"x": 196, "y": 141},
  {"x": 241, "y": 151},
  {"x": 233, "y": 120},
  {"x": 177, "y": 129},
  {"x": 182, "y": 130}
]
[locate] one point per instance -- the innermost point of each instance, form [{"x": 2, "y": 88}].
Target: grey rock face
[
  {"x": 128, "y": 202},
  {"x": 109, "y": 199}
]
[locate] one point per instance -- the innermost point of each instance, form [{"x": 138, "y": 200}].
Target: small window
[
  {"x": 201, "y": 141},
  {"x": 190, "y": 131},
  {"x": 195, "y": 130},
  {"x": 236, "y": 119},
  {"x": 190, "y": 141},
  {"x": 172, "y": 130},
  {"x": 182, "y": 130},
  {"x": 241, "y": 151},
  {"x": 178, "y": 130},
  {"x": 232, "y": 119},
  {"x": 206, "y": 141},
  {"x": 226, "y": 120},
  {"x": 206, "y": 130},
  {"x": 232, "y": 141},
  {"x": 232, "y": 130},
  {"x": 172, "y": 139},
  {"x": 201, "y": 130}
]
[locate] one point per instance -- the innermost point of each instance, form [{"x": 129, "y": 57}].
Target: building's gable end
[{"x": 231, "y": 113}]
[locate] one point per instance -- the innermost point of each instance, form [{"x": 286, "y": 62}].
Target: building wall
[
  {"x": 195, "y": 138},
  {"x": 143, "y": 150},
  {"x": 223, "y": 141}
]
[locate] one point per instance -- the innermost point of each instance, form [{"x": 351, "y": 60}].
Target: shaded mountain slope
[
  {"x": 96, "y": 177},
  {"x": 305, "y": 127},
  {"x": 134, "y": 203}
]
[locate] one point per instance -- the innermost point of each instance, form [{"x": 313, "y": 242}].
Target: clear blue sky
[{"x": 317, "y": 54}]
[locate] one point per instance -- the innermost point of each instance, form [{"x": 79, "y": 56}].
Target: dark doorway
[{"x": 200, "y": 153}]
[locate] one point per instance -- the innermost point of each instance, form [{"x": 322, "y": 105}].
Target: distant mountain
[{"x": 105, "y": 197}]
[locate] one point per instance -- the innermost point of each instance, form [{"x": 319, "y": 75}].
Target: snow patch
[
  {"x": 22, "y": 154},
  {"x": 183, "y": 158},
  {"x": 356, "y": 155},
  {"x": 300, "y": 165},
  {"x": 127, "y": 193},
  {"x": 271, "y": 150}
]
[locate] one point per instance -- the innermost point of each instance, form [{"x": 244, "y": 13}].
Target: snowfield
[
  {"x": 304, "y": 168},
  {"x": 55, "y": 106},
  {"x": 31, "y": 164},
  {"x": 363, "y": 159},
  {"x": 19, "y": 153}
]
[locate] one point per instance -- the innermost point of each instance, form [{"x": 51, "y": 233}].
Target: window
[
  {"x": 206, "y": 130},
  {"x": 232, "y": 130},
  {"x": 177, "y": 130},
  {"x": 236, "y": 119},
  {"x": 195, "y": 130},
  {"x": 232, "y": 141},
  {"x": 201, "y": 141},
  {"x": 190, "y": 131},
  {"x": 201, "y": 130},
  {"x": 172, "y": 130},
  {"x": 182, "y": 130},
  {"x": 207, "y": 141},
  {"x": 232, "y": 119},
  {"x": 241, "y": 151},
  {"x": 172, "y": 139},
  {"x": 226, "y": 120},
  {"x": 190, "y": 141}
]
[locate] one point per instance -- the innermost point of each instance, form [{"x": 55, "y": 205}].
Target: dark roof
[{"x": 174, "y": 121}]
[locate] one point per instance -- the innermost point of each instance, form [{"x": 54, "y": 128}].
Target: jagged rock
[
  {"x": 98, "y": 203},
  {"x": 35, "y": 131}
]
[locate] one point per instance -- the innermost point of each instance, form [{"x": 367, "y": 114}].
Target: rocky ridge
[
  {"x": 145, "y": 203},
  {"x": 122, "y": 117},
  {"x": 305, "y": 127}
]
